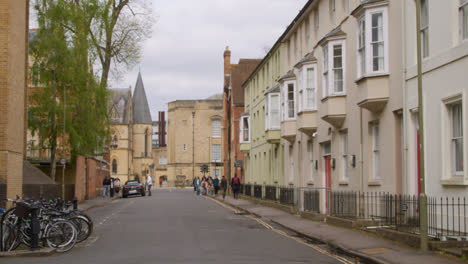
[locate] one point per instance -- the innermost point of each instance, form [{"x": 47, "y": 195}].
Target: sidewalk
[
  {"x": 357, "y": 243},
  {"x": 96, "y": 202}
]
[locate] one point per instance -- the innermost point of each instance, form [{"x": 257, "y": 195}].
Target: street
[{"x": 175, "y": 226}]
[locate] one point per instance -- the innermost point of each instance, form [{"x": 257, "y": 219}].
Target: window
[
  {"x": 216, "y": 172},
  {"x": 147, "y": 140},
  {"x": 245, "y": 137},
  {"x": 185, "y": 147},
  {"x": 216, "y": 128},
  {"x": 344, "y": 156},
  {"x": 325, "y": 72},
  {"x": 362, "y": 46},
  {"x": 216, "y": 153},
  {"x": 464, "y": 19},
  {"x": 273, "y": 111},
  {"x": 162, "y": 160},
  {"x": 338, "y": 68},
  {"x": 424, "y": 30},
  {"x": 376, "y": 150},
  {"x": 114, "y": 166},
  {"x": 372, "y": 42},
  {"x": 456, "y": 120},
  {"x": 377, "y": 42},
  {"x": 307, "y": 98},
  {"x": 300, "y": 85},
  {"x": 311, "y": 161},
  {"x": 290, "y": 96}
]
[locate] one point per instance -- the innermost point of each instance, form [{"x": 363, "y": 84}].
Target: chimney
[
  {"x": 162, "y": 130},
  {"x": 227, "y": 65}
]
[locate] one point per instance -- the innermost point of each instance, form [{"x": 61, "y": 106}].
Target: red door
[{"x": 328, "y": 182}]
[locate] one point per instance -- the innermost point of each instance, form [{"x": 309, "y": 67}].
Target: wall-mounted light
[
  {"x": 353, "y": 161},
  {"x": 333, "y": 163},
  {"x": 316, "y": 164}
]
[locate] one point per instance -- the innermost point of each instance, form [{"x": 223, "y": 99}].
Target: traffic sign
[{"x": 63, "y": 161}]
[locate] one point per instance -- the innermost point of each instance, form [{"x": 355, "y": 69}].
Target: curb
[
  {"x": 100, "y": 205},
  {"x": 43, "y": 252},
  {"x": 346, "y": 251}
]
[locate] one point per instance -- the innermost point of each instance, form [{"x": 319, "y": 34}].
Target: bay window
[
  {"x": 245, "y": 129},
  {"x": 307, "y": 88},
  {"x": 334, "y": 63},
  {"x": 291, "y": 101},
  {"x": 288, "y": 100},
  {"x": 372, "y": 46},
  {"x": 273, "y": 111},
  {"x": 456, "y": 120}
]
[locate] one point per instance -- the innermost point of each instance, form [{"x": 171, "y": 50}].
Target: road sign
[
  {"x": 63, "y": 161},
  {"x": 239, "y": 163}
]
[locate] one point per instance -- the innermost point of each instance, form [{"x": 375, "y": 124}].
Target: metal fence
[
  {"x": 258, "y": 191},
  {"x": 271, "y": 192},
  {"x": 312, "y": 201},
  {"x": 287, "y": 195},
  {"x": 248, "y": 189},
  {"x": 447, "y": 217}
]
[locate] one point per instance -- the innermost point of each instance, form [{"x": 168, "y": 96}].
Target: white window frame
[
  {"x": 328, "y": 77},
  {"x": 216, "y": 129},
  {"x": 344, "y": 156},
  {"x": 453, "y": 156},
  {"x": 463, "y": 16},
  {"x": 214, "y": 152},
  {"x": 368, "y": 67},
  {"x": 309, "y": 90},
  {"x": 424, "y": 31},
  {"x": 286, "y": 101},
  {"x": 376, "y": 152},
  {"x": 300, "y": 88},
  {"x": 243, "y": 130},
  {"x": 272, "y": 125}
]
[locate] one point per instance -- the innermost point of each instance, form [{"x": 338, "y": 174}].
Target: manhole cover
[{"x": 373, "y": 251}]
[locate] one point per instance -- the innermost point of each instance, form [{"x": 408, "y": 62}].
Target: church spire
[{"x": 141, "y": 112}]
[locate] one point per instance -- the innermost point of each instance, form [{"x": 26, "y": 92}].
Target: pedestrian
[
  {"x": 111, "y": 185},
  {"x": 210, "y": 186},
  {"x": 194, "y": 184},
  {"x": 105, "y": 187},
  {"x": 149, "y": 182},
  {"x": 160, "y": 182},
  {"x": 204, "y": 187},
  {"x": 216, "y": 185},
  {"x": 197, "y": 185},
  {"x": 224, "y": 186},
  {"x": 235, "y": 184}
]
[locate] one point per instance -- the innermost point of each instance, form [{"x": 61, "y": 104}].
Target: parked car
[{"x": 133, "y": 187}]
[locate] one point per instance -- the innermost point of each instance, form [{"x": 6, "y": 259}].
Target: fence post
[{"x": 423, "y": 221}]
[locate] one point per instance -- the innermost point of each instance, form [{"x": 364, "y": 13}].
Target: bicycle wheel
[
  {"x": 83, "y": 227},
  {"x": 10, "y": 237},
  {"x": 61, "y": 235}
]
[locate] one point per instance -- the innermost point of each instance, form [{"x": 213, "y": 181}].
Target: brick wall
[{"x": 90, "y": 187}]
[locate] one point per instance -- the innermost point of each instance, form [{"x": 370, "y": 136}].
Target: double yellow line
[{"x": 280, "y": 232}]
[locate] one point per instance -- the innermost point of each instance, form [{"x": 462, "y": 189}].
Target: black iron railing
[
  {"x": 270, "y": 192},
  {"x": 258, "y": 191},
  {"x": 287, "y": 195},
  {"x": 312, "y": 201},
  {"x": 248, "y": 189}
]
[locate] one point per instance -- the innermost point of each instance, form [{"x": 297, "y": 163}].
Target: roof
[
  {"x": 309, "y": 57},
  {"x": 141, "y": 112},
  {"x": 275, "y": 89},
  {"x": 33, "y": 175},
  {"x": 336, "y": 32},
  {"x": 290, "y": 74},
  {"x": 239, "y": 74}
]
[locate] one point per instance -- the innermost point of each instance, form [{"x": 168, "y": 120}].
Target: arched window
[{"x": 114, "y": 166}]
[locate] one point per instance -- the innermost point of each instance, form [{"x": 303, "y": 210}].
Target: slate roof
[
  {"x": 288, "y": 75},
  {"x": 275, "y": 89},
  {"x": 309, "y": 57},
  {"x": 141, "y": 111},
  {"x": 239, "y": 74}
]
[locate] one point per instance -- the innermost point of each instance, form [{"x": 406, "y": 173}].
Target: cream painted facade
[
  {"x": 131, "y": 154},
  {"x": 194, "y": 138},
  {"x": 445, "y": 88},
  {"x": 341, "y": 111},
  {"x": 160, "y": 164}
]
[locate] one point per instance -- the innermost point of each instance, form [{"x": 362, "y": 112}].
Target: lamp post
[
  {"x": 422, "y": 196},
  {"x": 63, "y": 140}
]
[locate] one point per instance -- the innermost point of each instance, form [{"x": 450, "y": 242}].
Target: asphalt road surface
[{"x": 176, "y": 226}]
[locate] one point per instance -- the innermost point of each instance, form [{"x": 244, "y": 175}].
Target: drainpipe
[
  {"x": 193, "y": 145},
  {"x": 405, "y": 99}
]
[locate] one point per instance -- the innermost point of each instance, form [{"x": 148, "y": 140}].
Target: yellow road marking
[{"x": 280, "y": 232}]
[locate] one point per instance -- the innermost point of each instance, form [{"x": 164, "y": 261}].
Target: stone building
[
  {"x": 131, "y": 133},
  {"x": 194, "y": 138},
  {"x": 233, "y": 107},
  {"x": 14, "y": 18}
]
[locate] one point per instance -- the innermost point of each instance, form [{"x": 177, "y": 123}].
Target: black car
[{"x": 133, "y": 187}]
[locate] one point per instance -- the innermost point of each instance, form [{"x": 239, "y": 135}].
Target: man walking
[
  {"x": 105, "y": 187},
  {"x": 149, "y": 183},
  {"x": 224, "y": 186},
  {"x": 235, "y": 183}
]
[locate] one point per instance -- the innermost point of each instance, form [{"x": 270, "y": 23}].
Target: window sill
[
  {"x": 332, "y": 96},
  {"x": 374, "y": 183},
  {"x": 371, "y": 75},
  {"x": 454, "y": 181},
  {"x": 343, "y": 183},
  {"x": 310, "y": 183},
  {"x": 307, "y": 111}
]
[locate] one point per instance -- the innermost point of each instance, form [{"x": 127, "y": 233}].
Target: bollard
[
  {"x": 75, "y": 203},
  {"x": 35, "y": 227}
]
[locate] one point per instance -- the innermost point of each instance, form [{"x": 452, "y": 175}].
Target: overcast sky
[{"x": 184, "y": 57}]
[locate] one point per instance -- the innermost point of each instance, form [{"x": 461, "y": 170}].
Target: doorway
[{"x": 327, "y": 180}]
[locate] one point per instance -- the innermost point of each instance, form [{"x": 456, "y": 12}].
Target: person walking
[
  {"x": 149, "y": 183},
  {"x": 224, "y": 186},
  {"x": 235, "y": 183},
  {"x": 216, "y": 185},
  {"x": 111, "y": 186},
  {"x": 160, "y": 182},
  {"x": 197, "y": 185},
  {"x": 105, "y": 187}
]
